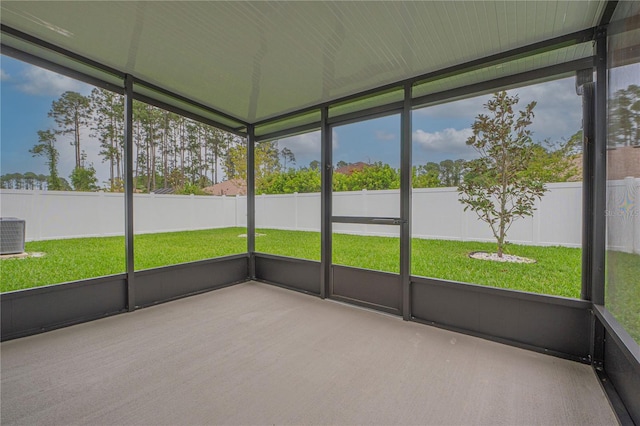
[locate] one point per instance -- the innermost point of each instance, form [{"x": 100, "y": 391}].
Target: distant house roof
[
  {"x": 350, "y": 168},
  {"x": 228, "y": 187},
  {"x": 623, "y": 162}
]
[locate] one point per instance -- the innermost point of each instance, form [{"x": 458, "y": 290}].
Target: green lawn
[
  {"x": 622, "y": 296},
  {"x": 79, "y": 258},
  {"x": 557, "y": 271}
]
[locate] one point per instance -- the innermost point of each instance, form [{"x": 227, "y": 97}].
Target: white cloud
[
  {"x": 558, "y": 113},
  {"x": 448, "y": 141},
  {"x": 3, "y": 75},
  {"x": 384, "y": 136},
  {"x": 38, "y": 81},
  {"x": 301, "y": 145},
  {"x": 306, "y": 144}
]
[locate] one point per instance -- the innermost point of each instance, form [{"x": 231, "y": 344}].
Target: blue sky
[
  {"x": 439, "y": 132},
  {"x": 26, "y": 94}
]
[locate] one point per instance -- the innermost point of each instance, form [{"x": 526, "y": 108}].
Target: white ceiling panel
[
  {"x": 505, "y": 69},
  {"x": 256, "y": 60}
]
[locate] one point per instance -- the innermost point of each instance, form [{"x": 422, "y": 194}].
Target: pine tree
[
  {"x": 46, "y": 148},
  {"x": 72, "y": 112}
]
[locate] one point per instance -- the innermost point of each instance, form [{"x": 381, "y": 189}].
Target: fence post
[
  {"x": 235, "y": 210},
  {"x": 365, "y": 207},
  {"x": 222, "y": 206},
  {"x": 192, "y": 211},
  {"x": 636, "y": 217},
  {"x": 464, "y": 227},
  {"x": 535, "y": 222},
  {"x": 295, "y": 210},
  {"x": 37, "y": 207},
  {"x": 101, "y": 214}
]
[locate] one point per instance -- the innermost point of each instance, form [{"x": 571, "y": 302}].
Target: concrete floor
[{"x": 258, "y": 354}]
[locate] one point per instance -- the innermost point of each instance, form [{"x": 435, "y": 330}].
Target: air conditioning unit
[{"x": 11, "y": 235}]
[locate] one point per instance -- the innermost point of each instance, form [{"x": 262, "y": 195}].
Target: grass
[
  {"x": 80, "y": 258},
  {"x": 622, "y": 296},
  {"x": 557, "y": 271}
]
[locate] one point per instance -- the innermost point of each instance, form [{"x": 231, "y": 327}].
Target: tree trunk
[{"x": 77, "y": 138}]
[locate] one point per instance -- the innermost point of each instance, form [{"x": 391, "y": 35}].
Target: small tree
[
  {"x": 84, "y": 179},
  {"x": 497, "y": 186}
]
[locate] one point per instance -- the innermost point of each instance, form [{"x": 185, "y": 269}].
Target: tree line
[
  {"x": 624, "y": 117},
  {"x": 546, "y": 161},
  {"x": 171, "y": 151},
  {"x": 29, "y": 181}
]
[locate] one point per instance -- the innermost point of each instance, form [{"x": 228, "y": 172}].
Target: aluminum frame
[
  {"x": 251, "y": 200},
  {"x": 377, "y": 280},
  {"x": 293, "y": 131},
  {"x": 60, "y": 69},
  {"x": 603, "y": 325},
  {"x": 187, "y": 114},
  {"x": 406, "y": 168},
  {"x": 181, "y": 98},
  {"x": 326, "y": 203},
  {"x": 600, "y": 170},
  {"x": 367, "y": 220},
  {"x": 128, "y": 192},
  {"x": 106, "y": 70},
  {"x": 587, "y": 92},
  {"x": 515, "y": 79},
  {"x": 524, "y": 51},
  {"x": 599, "y": 197}
]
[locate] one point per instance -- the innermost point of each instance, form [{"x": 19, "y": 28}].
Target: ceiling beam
[
  {"x": 60, "y": 51},
  {"x": 502, "y": 82},
  {"x": 608, "y": 12},
  {"x": 513, "y": 54},
  {"x": 65, "y": 70},
  {"x": 60, "y": 69}
]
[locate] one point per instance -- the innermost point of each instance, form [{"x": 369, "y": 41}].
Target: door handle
[{"x": 388, "y": 221}]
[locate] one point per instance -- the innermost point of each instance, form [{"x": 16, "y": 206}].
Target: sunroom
[{"x": 307, "y": 160}]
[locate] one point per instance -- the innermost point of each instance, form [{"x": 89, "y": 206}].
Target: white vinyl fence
[
  {"x": 60, "y": 214},
  {"x": 437, "y": 214}
]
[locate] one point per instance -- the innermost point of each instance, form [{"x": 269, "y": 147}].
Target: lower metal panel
[
  {"x": 298, "y": 274},
  {"x": 372, "y": 289},
  {"x": 548, "y": 324},
  {"x": 624, "y": 376},
  {"x": 40, "y": 309},
  {"x": 620, "y": 367},
  {"x": 172, "y": 282}
]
